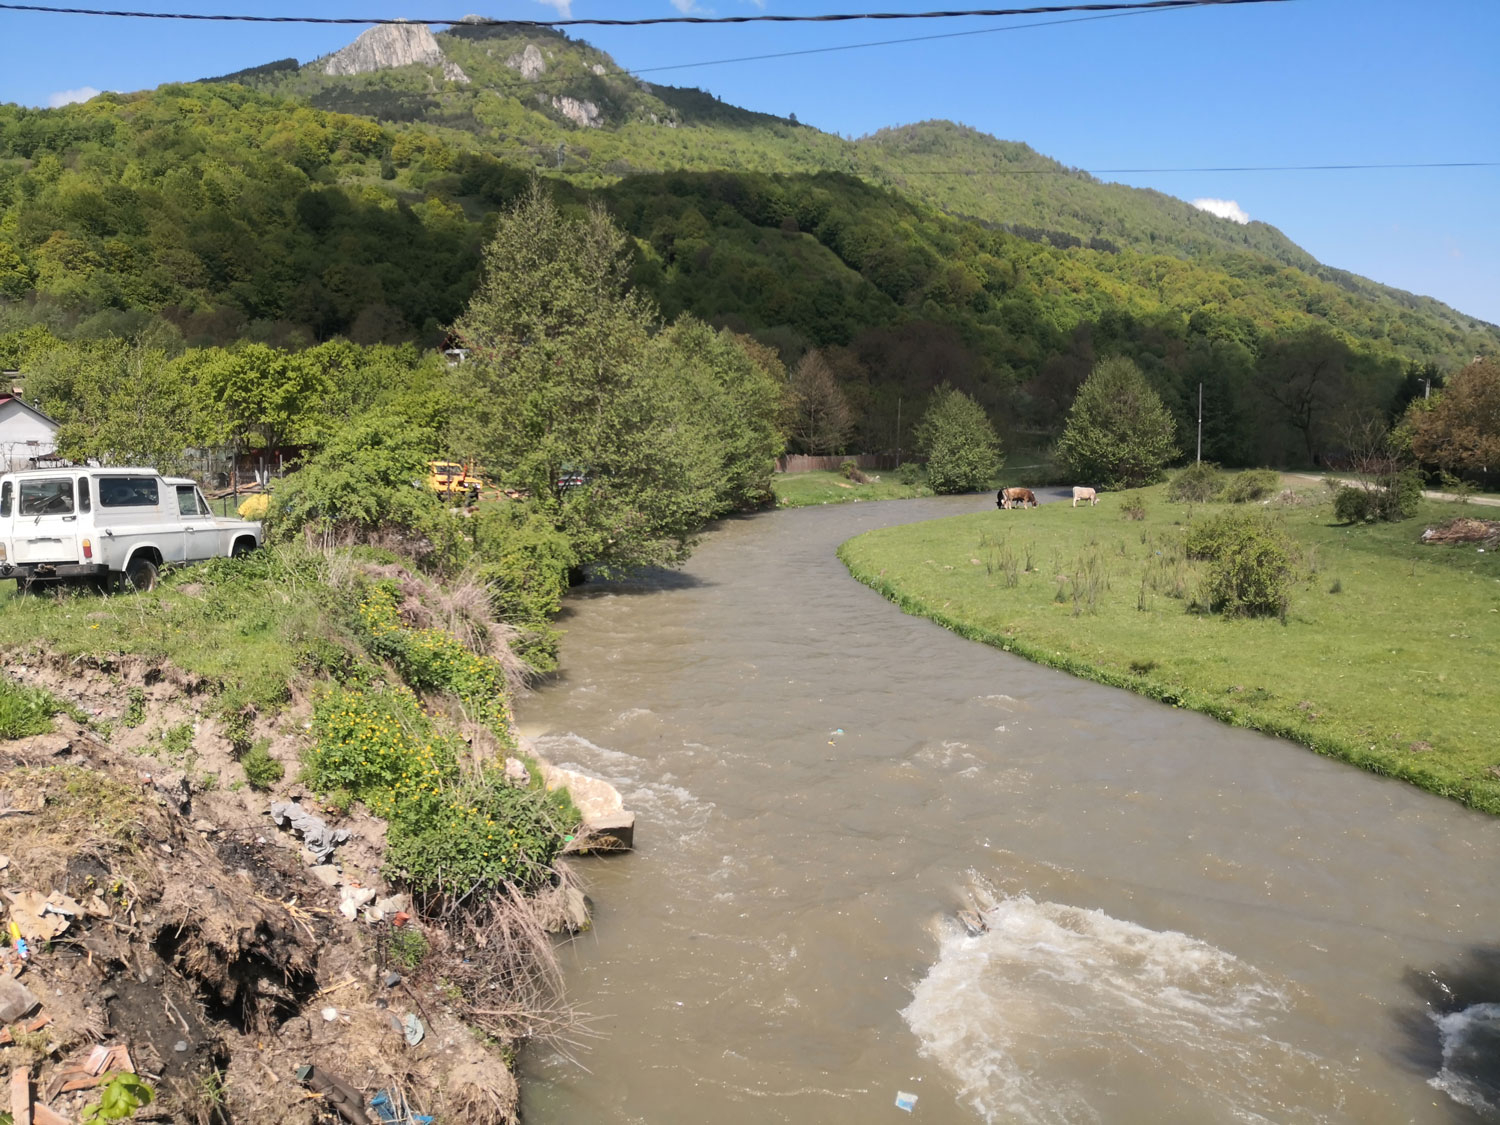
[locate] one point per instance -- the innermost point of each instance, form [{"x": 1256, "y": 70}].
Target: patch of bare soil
[{"x": 176, "y": 921}]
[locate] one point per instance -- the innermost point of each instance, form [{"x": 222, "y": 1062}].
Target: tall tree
[
  {"x": 956, "y": 437},
  {"x": 559, "y": 378},
  {"x": 821, "y": 420},
  {"x": 1118, "y": 434},
  {"x": 1304, "y": 379}
]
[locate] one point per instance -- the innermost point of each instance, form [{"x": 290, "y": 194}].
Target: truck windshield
[{"x": 47, "y": 497}]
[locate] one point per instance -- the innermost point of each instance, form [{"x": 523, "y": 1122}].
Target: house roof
[{"x": 24, "y": 405}]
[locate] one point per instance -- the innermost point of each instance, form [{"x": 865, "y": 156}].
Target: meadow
[{"x": 1385, "y": 658}]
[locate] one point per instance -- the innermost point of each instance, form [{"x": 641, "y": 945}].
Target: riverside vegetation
[{"x": 1376, "y": 649}]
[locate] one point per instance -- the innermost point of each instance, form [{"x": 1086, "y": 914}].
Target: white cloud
[
  {"x": 684, "y": 6},
  {"x": 68, "y": 97},
  {"x": 1224, "y": 208},
  {"x": 564, "y": 8}
]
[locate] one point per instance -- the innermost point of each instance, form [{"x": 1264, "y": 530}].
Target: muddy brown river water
[{"x": 1185, "y": 922}]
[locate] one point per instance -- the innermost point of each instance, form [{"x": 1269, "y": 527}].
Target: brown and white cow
[
  {"x": 1080, "y": 493},
  {"x": 1012, "y": 497}
]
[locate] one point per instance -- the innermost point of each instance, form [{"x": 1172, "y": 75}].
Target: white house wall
[{"x": 23, "y": 435}]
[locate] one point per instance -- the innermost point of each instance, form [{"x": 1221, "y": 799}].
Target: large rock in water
[{"x": 392, "y": 45}]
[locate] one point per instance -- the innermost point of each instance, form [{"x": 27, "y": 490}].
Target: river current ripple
[{"x": 1185, "y": 922}]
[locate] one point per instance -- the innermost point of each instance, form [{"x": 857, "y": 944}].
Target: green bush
[
  {"x": 1399, "y": 495},
  {"x": 450, "y": 830},
  {"x": 1133, "y": 508},
  {"x": 25, "y": 711},
  {"x": 261, "y": 770},
  {"x": 963, "y": 453},
  {"x": 909, "y": 473},
  {"x": 1196, "y": 484},
  {"x": 1252, "y": 484},
  {"x": 1249, "y": 564},
  {"x": 524, "y": 563},
  {"x": 1353, "y": 505}
]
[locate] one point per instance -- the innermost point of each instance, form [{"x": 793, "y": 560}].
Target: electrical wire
[
  {"x": 651, "y": 21},
  {"x": 1161, "y": 171}
]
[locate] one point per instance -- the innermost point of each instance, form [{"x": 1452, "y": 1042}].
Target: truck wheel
[
  {"x": 140, "y": 575},
  {"x": 242, "y": 547}
]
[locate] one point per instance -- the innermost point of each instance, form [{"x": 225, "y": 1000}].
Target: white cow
[{"x": 1088, "y": 494}]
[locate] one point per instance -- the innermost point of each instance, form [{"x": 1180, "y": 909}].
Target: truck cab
[{"x": 116, "y": 526}]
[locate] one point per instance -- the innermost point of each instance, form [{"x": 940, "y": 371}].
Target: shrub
[
  {"x": 524, "y": 562},
  {"x": 25, "y": 711},
  {"x": 963, "y": 453},
  {"x": 407, "y": 947},
  {"x": 1134, "y": 508},
  {"x": 1353, "y": 505},
  {"x": 1399, "y": 495},
  {"x": 1252, "y": 484},
  {"x": 261, "y": 770},
  {"x": 909, "y": 473},
  {"x": 850, "y": 470},
  {"x": 1250, "y": 564},
  {"x": 1196, "y": 484}
]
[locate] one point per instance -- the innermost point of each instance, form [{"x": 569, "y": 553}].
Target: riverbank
[
  {"x": 148, "y": 740},
  {"x": 1385, "y": 660},
  {"x": 804, "y": 490}
]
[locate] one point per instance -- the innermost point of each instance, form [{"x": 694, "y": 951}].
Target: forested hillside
[{"x": 289, "y": 207}]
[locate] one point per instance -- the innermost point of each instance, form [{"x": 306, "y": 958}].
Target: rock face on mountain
[
  {"x": 392, "y": 45},
  {"x": 529, "y": 62}
]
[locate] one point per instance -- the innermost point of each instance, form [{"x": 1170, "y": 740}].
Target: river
[{"x": 1185, "y": 922}]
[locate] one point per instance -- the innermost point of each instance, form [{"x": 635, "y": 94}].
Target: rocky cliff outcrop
[
  {"x": 392, "y": 45},
  {"x": 529, "y": 62}
]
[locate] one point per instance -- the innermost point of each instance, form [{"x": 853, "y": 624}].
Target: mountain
[{"x": 349, "y": 196}]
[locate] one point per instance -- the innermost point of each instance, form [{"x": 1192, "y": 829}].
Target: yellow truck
[{"x": 455, "y": 480}]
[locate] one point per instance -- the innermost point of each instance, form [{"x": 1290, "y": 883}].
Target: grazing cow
[
  {"x": 1084, "y": 494},
  {"x": 1010, "y": 497}
]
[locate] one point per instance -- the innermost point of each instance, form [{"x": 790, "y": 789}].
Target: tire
[{"x": 140, "y": 575}]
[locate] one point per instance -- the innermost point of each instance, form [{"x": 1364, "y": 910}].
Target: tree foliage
[
  {"x": 566, "y": 377},
  {"x": 1458, "y": 429},
  {"x": 821, "y": 420},
  {"x": 1118, "y": 434},
  {"x": 956, "y": 437}
]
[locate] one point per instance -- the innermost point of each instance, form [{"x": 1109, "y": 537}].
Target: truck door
[
  {"x": 205, "y": 539},
  {"x": 46, "y": 523}
]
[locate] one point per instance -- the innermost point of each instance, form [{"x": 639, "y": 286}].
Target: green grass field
[
  {"x": 1387, "y": 658},
  {"x": 802, "y": 490}
]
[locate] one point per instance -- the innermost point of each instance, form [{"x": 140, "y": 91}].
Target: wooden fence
[{"x": 805, "y": 463}]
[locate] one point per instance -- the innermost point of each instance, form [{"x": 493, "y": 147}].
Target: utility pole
[
  {"x": 1200, "y": 423},
  {"x": 898, "y": 431}
]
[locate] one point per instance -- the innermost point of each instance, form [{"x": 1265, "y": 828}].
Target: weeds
[
  {"x": 261, "y": 770},
  {"x": 135, "y": 708},
  {"x": 407, "y": 947},
  {"x": 25, "y": 711}
]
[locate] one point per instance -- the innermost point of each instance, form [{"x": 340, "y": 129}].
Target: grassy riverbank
[
  {"x": 803, "y": 490},
  {"x": 1387, "y": 658}
]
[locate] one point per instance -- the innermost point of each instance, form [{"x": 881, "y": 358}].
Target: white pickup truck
[{"x": 115, "y": 526}]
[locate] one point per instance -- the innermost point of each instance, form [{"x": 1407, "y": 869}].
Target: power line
[
  {"x": 1142, "y": 171},
  {"x": 893, "y": 42},
  {"x": 654, "y": 21}
]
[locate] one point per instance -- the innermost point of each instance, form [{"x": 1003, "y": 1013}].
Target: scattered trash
[
  {"x": 180, "y": 1046},
  {"x": 389, "y": 1111},
  {"x": 838, "y": 730},
  {"x": 330, "y": 1014},
  {"x": 392, "y": 979},
  {"x": 16, "y": 1000},
  {"x": 351, "y": 897},
  {"x": 319, "y": 838},
  {"x": 905, "y": 1101},
  {"x": 412, "y": 1028},
  {"x": 401, "y": 918},
  {"x": 344, "y": 1099},
  {"x": 84, "y": 1071},
  {"x": 39, "y": 917}
]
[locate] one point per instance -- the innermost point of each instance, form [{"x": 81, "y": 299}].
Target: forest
[{"x": 231, "y": 212}]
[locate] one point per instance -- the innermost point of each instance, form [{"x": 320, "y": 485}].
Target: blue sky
[{"x": 1302, "y": 82}]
